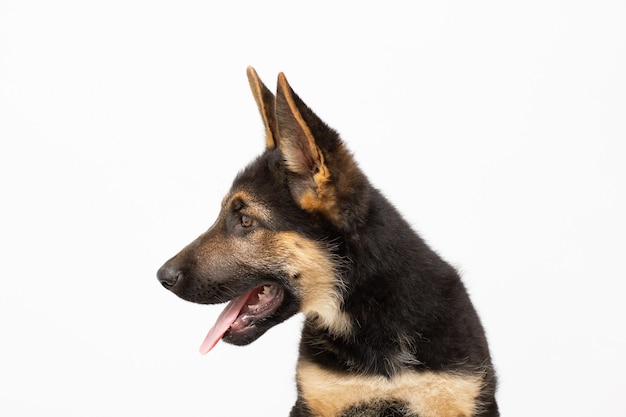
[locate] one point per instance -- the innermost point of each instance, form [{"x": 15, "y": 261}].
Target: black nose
[{"x": 169, "y": 275}]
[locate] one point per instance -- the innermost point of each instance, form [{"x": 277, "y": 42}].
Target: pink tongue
[{"x": 224, "y": 321}]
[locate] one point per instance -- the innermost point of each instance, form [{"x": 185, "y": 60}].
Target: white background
[{"x": 497, "y": 128}]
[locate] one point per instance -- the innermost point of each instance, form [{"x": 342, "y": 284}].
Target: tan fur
[
  {"x": 427, "y": 394},
  {"x": 317, "y": 281}
]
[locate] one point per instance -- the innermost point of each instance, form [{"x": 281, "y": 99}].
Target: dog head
[{"x": 274, "y": 249}]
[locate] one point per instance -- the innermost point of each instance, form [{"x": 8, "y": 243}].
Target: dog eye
[{"x": 246, "y": 221}]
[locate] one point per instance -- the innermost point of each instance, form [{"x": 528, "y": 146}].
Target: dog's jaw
[{"x": 236, "y": 324}]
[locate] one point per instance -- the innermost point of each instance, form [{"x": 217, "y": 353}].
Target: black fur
[{"x": 408, "y": 309}]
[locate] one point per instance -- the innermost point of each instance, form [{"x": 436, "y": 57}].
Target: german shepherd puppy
[{"x": 389, "y": 328}]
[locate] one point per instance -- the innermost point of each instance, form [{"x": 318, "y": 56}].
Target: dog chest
[{"x": 426, "y": 394}]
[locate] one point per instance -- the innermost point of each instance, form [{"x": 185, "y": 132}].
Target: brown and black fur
[{"x": 389, "y": 329}]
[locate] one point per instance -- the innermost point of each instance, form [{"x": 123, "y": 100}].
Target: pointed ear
[
  {"x": 265, "y": 102},
  {"x": 311, "y": 185}
]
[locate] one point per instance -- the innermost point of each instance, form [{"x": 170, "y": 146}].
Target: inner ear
[
  {"x": 296, "y": 142},
  {"x": 311, "y": 186}
]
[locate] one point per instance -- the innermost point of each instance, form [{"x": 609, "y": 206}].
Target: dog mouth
[{"x": 242, "y": 313}]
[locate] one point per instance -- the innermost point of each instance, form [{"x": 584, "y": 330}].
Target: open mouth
[{"x": 242, "y": 313}]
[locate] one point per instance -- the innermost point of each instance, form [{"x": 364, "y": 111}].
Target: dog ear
[
  {"x": 310, "y": 182},
  {"x": 265, "y": 102}
]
